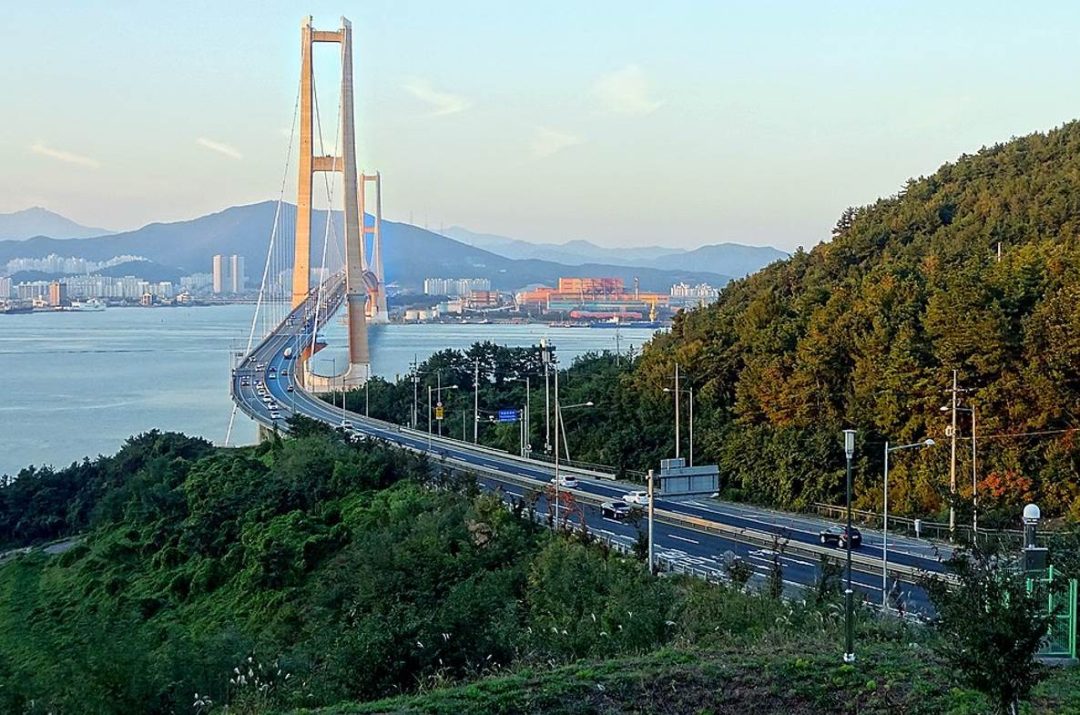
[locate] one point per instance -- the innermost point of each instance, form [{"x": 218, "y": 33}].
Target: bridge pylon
[
  {"x": 359, "y": 366},
  {"x": 373, "y": 269}
]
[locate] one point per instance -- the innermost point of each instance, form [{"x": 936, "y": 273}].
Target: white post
[{"x": 476, "y": 400}]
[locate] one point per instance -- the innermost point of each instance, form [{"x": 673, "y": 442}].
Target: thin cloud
[
  {"x": 65, "y": 156},
  {"x": 626, "y": 91},
  {"x": 219, "y": 147},
  {"x": 443, "y": 102},
  {"x": 546, "y": 142}
]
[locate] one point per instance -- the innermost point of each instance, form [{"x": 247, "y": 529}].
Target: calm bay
[{"x": 79, "y": 384}]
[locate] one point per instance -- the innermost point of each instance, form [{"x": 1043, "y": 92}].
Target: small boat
[{"x": 93, "y": 305}]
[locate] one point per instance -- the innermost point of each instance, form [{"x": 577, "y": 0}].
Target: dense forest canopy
[{"x": 865, "y": 329}]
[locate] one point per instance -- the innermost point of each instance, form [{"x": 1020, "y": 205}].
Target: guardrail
[{"x": 753, "y": 537}]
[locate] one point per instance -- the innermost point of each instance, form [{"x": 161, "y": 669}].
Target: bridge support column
[{"x": 355, "y": 290}]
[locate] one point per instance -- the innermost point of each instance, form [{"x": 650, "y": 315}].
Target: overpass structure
[{"x": 273, "y": 381}]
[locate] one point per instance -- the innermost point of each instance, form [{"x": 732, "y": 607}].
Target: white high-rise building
[{"x": 228, "y": 274}]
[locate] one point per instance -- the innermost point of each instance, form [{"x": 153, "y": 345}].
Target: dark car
[
  {"x": 837, "y": 536},
  {"x": 614, "y": 510}
]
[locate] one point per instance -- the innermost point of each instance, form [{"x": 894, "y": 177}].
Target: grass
[{"x": 783, "y": 678}]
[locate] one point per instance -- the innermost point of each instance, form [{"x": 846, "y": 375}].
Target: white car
[
  {"x": 568, "y": 482},
  {"x": 345, "y": 424},
  {"x": 636, "y": 498},
  {"x": 275, "y": 415}
]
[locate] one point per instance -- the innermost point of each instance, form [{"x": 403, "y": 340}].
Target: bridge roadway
[{"x": 692, "y": 534}]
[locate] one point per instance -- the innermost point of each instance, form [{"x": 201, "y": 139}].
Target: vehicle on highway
[
  {"x": 284, "y": 371},
  {"x": 288, "y": 354},
  {"x": 636, "y": 498},
  {"x": 569, "y": 482},
  {"x": 837, "y": 536},
  {"x": 289, "y": 388},
  {"x": 275, "y": 415},
  {"x": 614, "y": 510},
  {"x": 345, "y": 424}
]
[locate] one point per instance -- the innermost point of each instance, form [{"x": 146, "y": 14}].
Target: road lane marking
[{"x": 683, "y": 538}]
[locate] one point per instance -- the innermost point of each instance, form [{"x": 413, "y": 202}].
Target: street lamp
[
  {"x": 562, "y": 425},
  {"x": 885, "y": 531},
  {"x": 974, "y": 470},
  {"x": 558, "y": 419},
  {"x": 849, "y": 452},
  {"x": 689, "y": 390}
]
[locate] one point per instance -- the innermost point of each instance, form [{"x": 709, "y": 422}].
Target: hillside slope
[
  {"x": 36, "y": 221},
  {"x": 865, "y": 331}
]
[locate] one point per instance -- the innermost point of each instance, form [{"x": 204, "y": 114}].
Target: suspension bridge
[{"x": 322, "y": 262}]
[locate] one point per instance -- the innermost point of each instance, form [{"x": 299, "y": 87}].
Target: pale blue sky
[{"x": 624, "y": 122}]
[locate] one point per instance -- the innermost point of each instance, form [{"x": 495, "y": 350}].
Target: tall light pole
[
  {"x": 849, "y": 652},
  {"x": 885, "y": 530},
  {"x": 652, "y": 562},
  {"x": 415, "y": 384},
  {"x": 562, "y": 425},
  {"x": 689, "y": 391},
  {"x": 476, "y": 400},
  {"x": 546, "y": 357},
  {"x": 676, "y": 410}
]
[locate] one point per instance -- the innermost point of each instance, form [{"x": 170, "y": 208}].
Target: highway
[{"x": 691, "y": 533}]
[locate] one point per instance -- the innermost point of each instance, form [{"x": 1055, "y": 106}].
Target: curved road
[{"x": 692, "y": 534}]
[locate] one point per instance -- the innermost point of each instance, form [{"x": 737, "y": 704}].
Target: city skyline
[{"x": 803, "y": 113}]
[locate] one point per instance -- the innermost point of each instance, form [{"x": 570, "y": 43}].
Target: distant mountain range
[
  {"x": 410, "y": 254},
  {"x": 730, "y": 259},
  {"x": 37, "y": 221}
]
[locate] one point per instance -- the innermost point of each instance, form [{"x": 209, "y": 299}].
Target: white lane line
[{"x": 683, "y": 538}]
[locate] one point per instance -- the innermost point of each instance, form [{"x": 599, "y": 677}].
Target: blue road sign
[{"x": 508, "y": 416}]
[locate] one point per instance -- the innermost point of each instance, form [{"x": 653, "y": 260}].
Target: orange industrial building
[{"x": 598, "y": 297}]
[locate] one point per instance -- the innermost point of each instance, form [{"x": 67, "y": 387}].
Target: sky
[{"x": 626, "y": 123}]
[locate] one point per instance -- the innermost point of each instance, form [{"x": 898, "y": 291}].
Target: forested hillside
[{"x": 864, "y": 330}]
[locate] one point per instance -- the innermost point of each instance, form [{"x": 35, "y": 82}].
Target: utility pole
[
  {"x": 974, "y": 481},
  {"x": 952, "y": 465},
  {"x": 438, "y": 396},
  {"x": 676, "y": 410},
  {"x": 476, "y": 400}
]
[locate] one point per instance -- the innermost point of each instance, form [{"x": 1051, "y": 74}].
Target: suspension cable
[{"x": 270, "y": 252}]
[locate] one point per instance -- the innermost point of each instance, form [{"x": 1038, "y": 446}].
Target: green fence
[{"x": 1061, "y": 638}]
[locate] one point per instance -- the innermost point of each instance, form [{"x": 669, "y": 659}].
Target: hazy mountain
[
  {"x": 410, "y": 253},
  {"x": 571, "y": 253},
  {"x": 731, "y": 259},
  {"x": 37, "y": 221}
]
